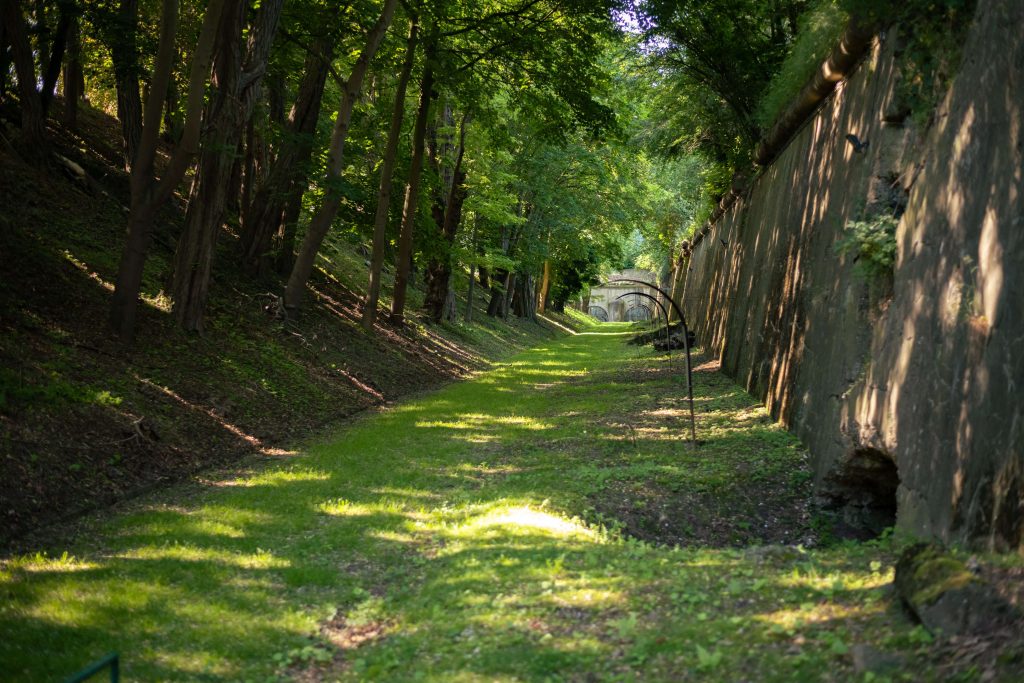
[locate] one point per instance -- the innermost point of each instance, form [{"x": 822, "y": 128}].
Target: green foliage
[
  {"x": 820, "y": 28},
  {"x": 931, "y": 34},
  {"x": 16, "y": 392},
  {"x": 872, "y": 243}
]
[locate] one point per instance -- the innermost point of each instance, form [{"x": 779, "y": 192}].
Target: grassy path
[{"x": 484, "y": 532}]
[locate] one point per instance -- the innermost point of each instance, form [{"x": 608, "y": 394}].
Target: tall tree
[
  {"x": 380, "y": 221},
  {"x": 148, "y": 193},
  {"x": 33, "y": 124},
  {"x": 321, "y": 221},
  {"x": 237, "y": 80},
  {"x": 73, "y": 77},
  {"x": 403, "y": 262},
  {"x": 275, "y": 204},
  {"x": 439, "y": 270},
  {"x": 68, "y": 14},
  {"x": 123, "y": 38}
]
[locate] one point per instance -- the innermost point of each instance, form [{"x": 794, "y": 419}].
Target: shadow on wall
[{"x": 920, "y": 373}]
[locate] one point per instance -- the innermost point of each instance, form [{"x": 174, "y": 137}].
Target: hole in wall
[{"x": 861, "y": 493}]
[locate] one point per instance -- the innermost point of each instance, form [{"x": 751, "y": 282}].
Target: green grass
[{"x": 470, "y": 535}]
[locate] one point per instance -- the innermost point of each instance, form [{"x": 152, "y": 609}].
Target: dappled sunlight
[
  {"x": 556, "y": 324},
  {"x": 91, "y": 274},
  {"x": 478, "y": 420},
  {"x": 526, "y": 519},
  {"x": 44, "y": 564},
  {"x": 422, "y": 529},
  {"x": 261, "y": 559}
]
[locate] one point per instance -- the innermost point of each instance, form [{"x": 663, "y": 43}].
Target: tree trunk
[
  {"x": 72, "y": 76},
  {"x": 276, "y": 201},
  {"x": 510, "y": 290},
  {"x": 124, "y": 52},
  {"x": 238, "y": 85},
  {"x": 545, "y": 287},
  {"x": 439, "y": 270},
  {"x": 403, "y": 262},
  {"x": 5, "y": 63},
  {"x": 325, "y": 214},
  {"x": 472, "y": 268},
  {"x": 496, "y": 306},
  {"x": 56, "y": 59},
  {"x": 148, "y": 194},
  {"x": 41, "y": 30},
  {"x": 380, "y": 221},
  {"x": 33, "y": 123},
  {"x": 172, "y": 125}
]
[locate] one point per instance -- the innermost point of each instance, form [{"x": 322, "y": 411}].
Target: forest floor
[
  {"x": 546, "y": 520},
  {"x": 86, "y": 421}
]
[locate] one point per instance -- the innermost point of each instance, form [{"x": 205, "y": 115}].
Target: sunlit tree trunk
[
  {"x": 545, "y": 287},
  {"x": 328, "y": 210},
  {"x": 380, "y": 221}
]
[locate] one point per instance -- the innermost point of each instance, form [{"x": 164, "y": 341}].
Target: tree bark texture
[
  {"x": 125, "y": 54},
  {"x": 147, "y": 193},
  {"x": 72, "y": 76},
  {"x": 237, "y": 81},
  {"x": 545, "y": 287},
  {"x": 278, "y": 197},
  {"x": 439, "y": 270},
  {"x": 403, "y": 262},
  {"x": 56, "y": 57},
  {"x": 33, "y": 123},
  {"x": 380, "y": 220},
  {"x": 328, "y": 210}
]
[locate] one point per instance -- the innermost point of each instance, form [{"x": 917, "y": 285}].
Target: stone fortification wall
[{"x": 907, "y": 392}]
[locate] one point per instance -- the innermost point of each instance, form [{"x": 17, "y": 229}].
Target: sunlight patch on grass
[
  {"x": 40, "y": 562},
  {"x": 521, "y": 519},
  {"x": 260, "y": 559}
]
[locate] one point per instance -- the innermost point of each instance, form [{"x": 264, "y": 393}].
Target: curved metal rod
[
  {"x": 686, "y": 345},
  {"x": 664, "y": 312}
]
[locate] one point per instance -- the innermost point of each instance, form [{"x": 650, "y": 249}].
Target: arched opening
[
  {"x": 599, "y": 313},
  {"x": 638, "y": 313},
  {"x": 862, "y": 492}
]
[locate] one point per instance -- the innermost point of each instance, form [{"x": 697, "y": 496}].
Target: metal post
[{"x": 112, "y": 660}]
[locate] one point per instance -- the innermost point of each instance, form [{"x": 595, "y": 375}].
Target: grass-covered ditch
[{"x": 546, "y": 520}]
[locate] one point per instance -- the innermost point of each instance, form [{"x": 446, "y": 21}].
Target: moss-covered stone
[{"x": 945, "y": 595}]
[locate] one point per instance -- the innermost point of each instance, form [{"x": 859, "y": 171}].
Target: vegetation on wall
[{"x": 872, "y": 245}]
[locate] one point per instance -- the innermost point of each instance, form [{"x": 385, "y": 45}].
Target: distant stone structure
[{"x": 605, "y": 304}]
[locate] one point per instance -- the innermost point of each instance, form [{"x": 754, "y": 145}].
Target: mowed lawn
[{"x": 546, "y": 520}]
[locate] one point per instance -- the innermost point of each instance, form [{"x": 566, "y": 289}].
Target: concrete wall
[
  {"x": 606, "y": 296},
  {"x": 905, "y": 391}
]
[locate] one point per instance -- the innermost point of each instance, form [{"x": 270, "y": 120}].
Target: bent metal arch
[
  {"x": 664, "y": 312},
  {"x": 686, "y": 346}
]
